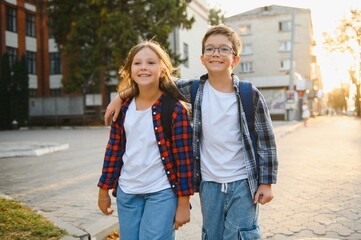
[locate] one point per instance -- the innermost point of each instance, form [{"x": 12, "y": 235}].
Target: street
[{"x": 317, "y": 194}]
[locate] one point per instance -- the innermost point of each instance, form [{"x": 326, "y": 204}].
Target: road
[{"x": 317, "y": 194}]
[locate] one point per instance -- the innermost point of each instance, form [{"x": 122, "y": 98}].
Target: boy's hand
[
  {"x": 112, "y": 111},
  {"x": 264, "y": 194},
  {"x": 183, "y": 213}
]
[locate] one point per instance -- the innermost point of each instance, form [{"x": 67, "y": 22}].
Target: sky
[{"x": 325, "y": 15}]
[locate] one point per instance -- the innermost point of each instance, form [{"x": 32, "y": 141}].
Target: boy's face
[{"x": 216, "y": 58}]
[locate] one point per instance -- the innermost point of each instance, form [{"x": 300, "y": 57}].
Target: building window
[
  {"x": 11, "y": 19},
  {"x": 285, "y": 46},
  {"x": 285, "y": 65},
  {"x": 285, "y": 26},
  {"x": 55, "y": 92},
  {"x": 246, "y": 49},
  {"x": 32, "y": 92},
  {"x": 31, "y": 62},
  {"x": 12, "y": 53},
  {"x": 55, "y": 63},
  {"x": 246, "y": 67},
  {"x": 245, "y": 30},
  {"x": 186, "y": 54},
  {"x": 30, "y": 25}
]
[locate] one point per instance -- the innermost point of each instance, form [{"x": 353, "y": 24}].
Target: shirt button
[
  {"x": 158, "y": 143},
  {"x": 168, "y": 172},
  {"x": 154, "y": 113},
  {"x": 197, "y": 139},
  {"x": 173, "y": 186},
  {"x": 156, "y": 128},
  {"x": 162, "y": 158}
]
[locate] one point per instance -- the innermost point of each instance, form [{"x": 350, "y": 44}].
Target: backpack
[
  {"x": 245, "y": 91},
  {"x": 166, "y": 115}
]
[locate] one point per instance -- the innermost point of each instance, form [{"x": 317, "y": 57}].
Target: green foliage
[
  {"x": 215, "y": 16},
  {"x": 347, "y": 39},
  {"x": 14, "y": 93},
  {"x": 96, "y": 35},
  {"x": 5, "y": 96},
  {"x": 23, "y": 96},
  {"x": 337, "y": 99},
  {"x": 20, "y": 222}
]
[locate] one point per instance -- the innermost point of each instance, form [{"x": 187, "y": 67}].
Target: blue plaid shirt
[{"x": 263, "y": 172}]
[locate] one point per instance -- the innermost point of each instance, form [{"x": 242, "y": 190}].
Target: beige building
[{"x": 277, "y": 56}]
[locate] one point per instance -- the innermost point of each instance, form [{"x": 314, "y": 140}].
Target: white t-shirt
[
  {"x": 143, "y": 170},
  {"x": 222, "y": 149}
]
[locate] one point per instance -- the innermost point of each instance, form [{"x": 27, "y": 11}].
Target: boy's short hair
[{"x": 228, "y": 32}]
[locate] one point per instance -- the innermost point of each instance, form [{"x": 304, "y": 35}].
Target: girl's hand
[
  {"x": 183, "y": 213},
  {"x": 104, "y": 202}
]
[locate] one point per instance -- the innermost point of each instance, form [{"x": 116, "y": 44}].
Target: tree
[
  {"x": 20, "y": 92},
  {"x": 96, "y": 35},
  {"x": 5, "y": 97},
  {"x": 215, "y": 16},
  {"x": 347, "y": 39},
  {"x": 337, "y": 99}
]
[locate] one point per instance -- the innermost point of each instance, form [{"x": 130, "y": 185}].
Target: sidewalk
[{"x": 102, "y": 226}]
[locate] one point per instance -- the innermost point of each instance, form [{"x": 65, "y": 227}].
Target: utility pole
[{"x": 291, "y": 87}]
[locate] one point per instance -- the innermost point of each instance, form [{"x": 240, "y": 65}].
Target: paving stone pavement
[
  {"x": 316, "y": 197},
  {"x": 318, "y": 191}
]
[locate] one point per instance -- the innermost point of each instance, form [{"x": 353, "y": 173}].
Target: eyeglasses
[{"x": 223, "y": 50}]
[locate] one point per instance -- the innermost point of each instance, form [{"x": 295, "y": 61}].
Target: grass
[{"x": 20, "y": 222}]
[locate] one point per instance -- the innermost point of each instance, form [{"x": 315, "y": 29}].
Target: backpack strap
[
  {"x": 246, "y": 91},
  {"x": 168, "y": 105}
]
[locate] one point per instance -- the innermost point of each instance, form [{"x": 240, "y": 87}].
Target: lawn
[{"x": 18, "y": 221}]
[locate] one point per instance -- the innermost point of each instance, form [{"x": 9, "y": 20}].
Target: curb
[
  {"x": 101, "y": 229},
  {"x": 23, "y": 149},
  {"x": 75, "y": 233}
]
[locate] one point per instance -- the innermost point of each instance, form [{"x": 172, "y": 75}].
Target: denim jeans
[
  {"x": 228, "y": 211},
  {"x": 146, "y": 216}
]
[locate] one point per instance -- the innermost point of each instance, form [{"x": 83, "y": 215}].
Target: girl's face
[
  {"x": 221, "y": 60},
  {"x": 146, "y": 68}
]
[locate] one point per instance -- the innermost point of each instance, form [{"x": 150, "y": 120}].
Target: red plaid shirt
[{"x": 176, "y": 154}]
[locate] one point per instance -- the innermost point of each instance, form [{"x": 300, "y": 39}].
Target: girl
[{"x": 151, "y": 175}]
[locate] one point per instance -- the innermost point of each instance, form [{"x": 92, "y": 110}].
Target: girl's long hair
[{"x": 166, "y": 83}]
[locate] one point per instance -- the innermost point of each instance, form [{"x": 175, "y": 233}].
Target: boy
[{"x": 229, "y": 179}]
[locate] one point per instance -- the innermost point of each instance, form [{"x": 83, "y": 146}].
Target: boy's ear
[
  {"x": 202, "y": 59},
  {"x": 236, "y": 60}
]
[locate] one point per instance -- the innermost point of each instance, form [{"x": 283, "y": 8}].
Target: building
[
  {"x": 24, "y": 30},
  {"x": 189, "y": 42},
  {"x": 277, "y": 56}
]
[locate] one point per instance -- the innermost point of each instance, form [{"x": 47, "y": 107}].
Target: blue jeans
[
  {"x": 228, "y": 211},
  {"x": 146, "y": 216}
]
